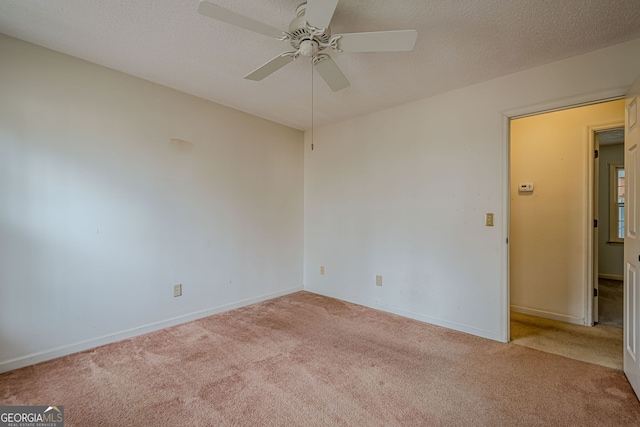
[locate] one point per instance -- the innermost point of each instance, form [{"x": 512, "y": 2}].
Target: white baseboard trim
[
  {"x": 54, "y": 353},
  {"x": 492, "y": 335},
  {"x": 548, "y": 315},
  {"x": 610, "y": 276}
]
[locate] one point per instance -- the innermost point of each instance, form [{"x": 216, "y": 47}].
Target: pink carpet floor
[{"x": 308, "y": 360}]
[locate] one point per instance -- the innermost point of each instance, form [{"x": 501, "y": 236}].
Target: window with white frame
[{"x": 616, "y": 201}]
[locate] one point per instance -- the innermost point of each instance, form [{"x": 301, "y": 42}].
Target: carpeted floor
[
  {"x": 610, "y": 302},
  {"x": 600, "y": 344},
  {"x": 308, "y": 360}
]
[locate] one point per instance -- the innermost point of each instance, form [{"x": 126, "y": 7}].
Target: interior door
[{"x": 632, "y": 240}]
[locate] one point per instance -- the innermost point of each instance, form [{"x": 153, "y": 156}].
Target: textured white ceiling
[
  {"x": 609, "y": 137},
  {"x": 459, "y": 43}
]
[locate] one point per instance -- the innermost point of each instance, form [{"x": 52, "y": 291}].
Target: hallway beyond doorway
[
  {"x": 610, "y": 302},
  {"x": 600, "y": 344}
]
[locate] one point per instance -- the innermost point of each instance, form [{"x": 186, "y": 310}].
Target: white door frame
[{"x": 534, "y": 109}]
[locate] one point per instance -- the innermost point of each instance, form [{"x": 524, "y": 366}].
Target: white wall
[
  {"x": 610, "y": 256},
  {"x": 402, "y": 193},
  {"x": 113, "y": 189},
  {"x": 549, "y": 240}
]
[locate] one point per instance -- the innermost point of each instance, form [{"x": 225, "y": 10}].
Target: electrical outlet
[
  {"x": 322, "y": 270},
  {"x": 378, "y": 280},
  {"x": 177, "y": 290}
]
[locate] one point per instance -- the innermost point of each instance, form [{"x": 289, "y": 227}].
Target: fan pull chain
[{"x": 311, "y": 105}]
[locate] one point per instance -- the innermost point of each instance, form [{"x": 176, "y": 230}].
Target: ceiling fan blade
[
  {"x": 378, "y": 41},
  {"x": 221, "y": 14},
  {"x": 331, "y": 74},
  {"x": 270, "y": 67},
  {"x": 320, "y": 12}
]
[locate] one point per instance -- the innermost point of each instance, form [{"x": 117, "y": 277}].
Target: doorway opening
[
  {"x": 609, "y": 203},
  {"x": 554, "y": 243}
]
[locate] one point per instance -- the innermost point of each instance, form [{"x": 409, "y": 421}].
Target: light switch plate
[
  {"x": 177, "y": 290},
  {"x": 488, "y": 219}
]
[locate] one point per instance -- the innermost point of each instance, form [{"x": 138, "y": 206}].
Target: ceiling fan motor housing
[{"x": 299, "y": 30}]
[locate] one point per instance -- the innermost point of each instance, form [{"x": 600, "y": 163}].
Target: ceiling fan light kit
[
  {"x": 308, "y": 48},
  {"x": 310, "y": 36}
]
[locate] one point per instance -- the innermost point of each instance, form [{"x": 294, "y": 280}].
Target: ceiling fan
[{"x": 309, "y": 35}]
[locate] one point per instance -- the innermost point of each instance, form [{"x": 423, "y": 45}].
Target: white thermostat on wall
[{"x": 525, "y": 188}]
